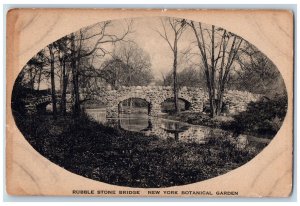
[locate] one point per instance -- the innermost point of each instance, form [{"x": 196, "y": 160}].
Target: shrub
[{"x": 263, "y": 117}]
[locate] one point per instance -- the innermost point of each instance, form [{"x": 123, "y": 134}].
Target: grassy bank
[
  {"x": 198, "y": 119},
  {"x": 125, "y": 158},
  {"x": 228, "y": 123}
]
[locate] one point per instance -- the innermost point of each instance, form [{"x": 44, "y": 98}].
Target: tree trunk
[
  {"x": 216, "y": 88},
  {"x": 76, "y": 91},
  {"x": 53, "y": 94},
  {"x": 39, "y": 79},
  {"x": 130, "y": 84},
  {"x": 220, "y": 101},
  {"x": 221, "y": 79},
  {"x": 175, "y": 86},
  {"x": 116, "y": 79},
  {"x": 130, "y": 104},
  {"x": 212, "y": 81},
  {"x": 75, "y": 64},
  {"x": 31, "y": 78},
  {"x": 212, "y": 106},
  {"x": 210, "y": 86},
  {"x": 64, "y": 89}
]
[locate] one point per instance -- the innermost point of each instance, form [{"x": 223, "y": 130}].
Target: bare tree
[
  {"x": 112, "y": 71},
  {"x": 136, "y": 62},
  {"x": 137, "y": 70},
  {"x": 218, "y": 51},
  {"x": 256, "y": 67},
  {"x": 81, "y": 48},
  {"x": 189, "y": 77},
  {"x": 52, "y": 68},
  {"x": 177, "y": 28},
  {"x": 164, "y": 79},
  {"x": 129, "y": 65},
  {"x": 62, "y": 46},
  {"x": 35, "y": 69}
]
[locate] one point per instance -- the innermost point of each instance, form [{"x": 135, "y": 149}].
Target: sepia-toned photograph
[{"x": 149, "y": 102}]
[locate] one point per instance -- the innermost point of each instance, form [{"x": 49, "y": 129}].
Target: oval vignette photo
[{"x": 149, "y": 102}]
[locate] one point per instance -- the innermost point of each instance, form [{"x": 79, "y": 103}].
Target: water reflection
[
  {"x": 163, "y": 128},
  {"x": 169, "y": 129},
  {"x": 135, "y": 122}
]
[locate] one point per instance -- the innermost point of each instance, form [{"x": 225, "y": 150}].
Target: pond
[{"x": 163, "y": 128}]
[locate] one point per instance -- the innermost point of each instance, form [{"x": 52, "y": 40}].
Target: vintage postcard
[{"x": 168, "y": 103}]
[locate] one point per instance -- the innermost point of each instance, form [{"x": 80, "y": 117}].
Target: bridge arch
[
  {"x": 133, "y": 96},
  {"x": 187, "y": 103},
  {"x": 155, "y": 96},
  {"x": 146, "y": 100},
  {"x": 114, "y": 101},
  {"x": 37, "y": 105}
]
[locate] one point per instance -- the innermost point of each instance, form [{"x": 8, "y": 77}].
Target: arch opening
[
  {"x": 44, "y": 108},
  {"x": 134, "y": 114},
  {"x": 168, "y": 106},
  {"x": 134, "y": 105},
  {"x": 224, "y": 108}
]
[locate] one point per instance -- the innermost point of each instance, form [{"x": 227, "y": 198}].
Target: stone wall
[{"x": 237, "y": 101}]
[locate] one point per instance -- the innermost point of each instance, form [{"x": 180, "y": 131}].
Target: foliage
[
  {"x": 22, "y": 92},
  {"x": 256, "y": 67},
  {"x": 263, "y": 117},
  {"x": 127, "y": 68},
  {"x": 189, "y": 77},
  {"x": 202, "y": 119}
]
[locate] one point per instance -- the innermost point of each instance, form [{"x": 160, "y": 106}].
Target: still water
[{"x": 163, "y": 128}]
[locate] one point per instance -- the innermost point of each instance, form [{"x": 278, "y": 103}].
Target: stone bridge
[
  {"x": 35, "y": 104},
  {"x": 153, "y": 95},
  {"x": 195, "y": 97}
]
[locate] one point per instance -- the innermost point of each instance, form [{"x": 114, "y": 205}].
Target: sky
[
  {"x": 150, "y": 41},
  {"x": 145, "y": 33},
  {"x": 147, "y": 37}
]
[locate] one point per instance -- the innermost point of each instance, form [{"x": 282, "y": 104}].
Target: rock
[{"x": 184, "y": 88}]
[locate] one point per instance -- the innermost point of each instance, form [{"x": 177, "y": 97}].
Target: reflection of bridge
[
  {"x": 154, "y": 95},
  {"x": 163, "y": 128},
  {"x": 177, "y": 130}
]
